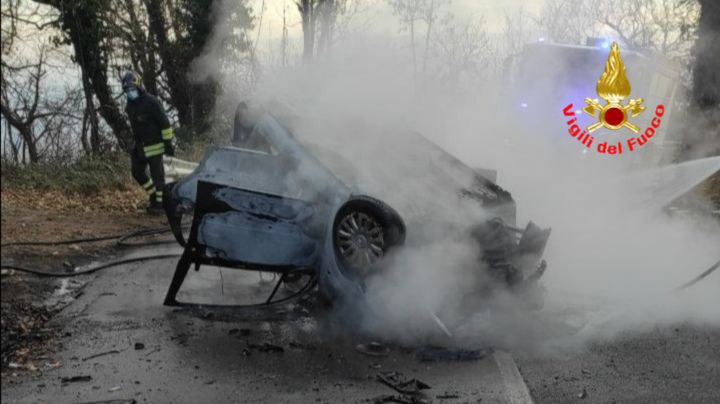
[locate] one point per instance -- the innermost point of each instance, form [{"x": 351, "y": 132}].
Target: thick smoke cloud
[{"x": 614, "y": 255}]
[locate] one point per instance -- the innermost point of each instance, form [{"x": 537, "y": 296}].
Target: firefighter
[{"x": 153, "y": 137}]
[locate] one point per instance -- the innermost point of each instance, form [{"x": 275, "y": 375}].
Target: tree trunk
[
  {"x": 80, "y": 21},
  {"x": 412, "y": 45},
  {"x": 25, "y": 130},
  {"x": 13, "y": 146},
  {"x": 91, "y": 115},
  {"x": 144, "y": 48},
  {"x": 83, "y": 132},
  {"x": 27, "y": 136},
  {"x": 192, "y": 101},
  {"x": 430, "y": 22},
  {"x": 307, "y": 12},
  {"x": 327, "y": 12}
]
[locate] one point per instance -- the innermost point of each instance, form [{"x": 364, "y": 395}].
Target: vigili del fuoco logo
[{"x": 613, "y": 87}]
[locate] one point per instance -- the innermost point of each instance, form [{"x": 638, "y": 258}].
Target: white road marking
[{"x": 517, "y": 390}]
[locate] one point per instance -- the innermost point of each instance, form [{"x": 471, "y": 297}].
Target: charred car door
[{"x": 266, "y": 207}]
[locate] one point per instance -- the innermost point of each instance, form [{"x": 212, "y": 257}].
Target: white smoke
[{"x": 614, "y": 257}]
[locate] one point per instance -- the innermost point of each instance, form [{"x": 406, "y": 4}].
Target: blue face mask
[{"x": 132, "y": 94}]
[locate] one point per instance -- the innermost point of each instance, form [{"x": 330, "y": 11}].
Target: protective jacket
[{"x": 151, "y": 127}]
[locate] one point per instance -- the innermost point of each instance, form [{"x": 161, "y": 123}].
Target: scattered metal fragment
[
  {"x": 114, "y": 351},
  {"x": 440, "y": 354},
  {"x": 73, "y": 379},
  {"x": 306, "y": 347},
  {"x": 139, "y": 346},
  {"x": 397, "y": 381},
  {"x": 152, "y": 351},
  {"x": 243, "y": 332},
  {"x": 582, "y": 394},
  {"x": 397, "y": 398},
  {"x": 114, "y": 389},
  {"x": 373, "y": 349},
  {"x": 440, "y": 324},
  {"x": 447, "y": 396},
  {"x": 267, "y": 347}
]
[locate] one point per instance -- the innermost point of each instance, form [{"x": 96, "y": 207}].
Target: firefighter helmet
[{"x": 131, "y": 79}]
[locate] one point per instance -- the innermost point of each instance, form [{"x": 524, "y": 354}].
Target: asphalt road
[
  {"x": 133, "y": 348},
  {"x": 670, "y": 364},
  {"x": 118, "y": 333}
]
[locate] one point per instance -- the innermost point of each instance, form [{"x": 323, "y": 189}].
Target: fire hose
[{"x": 122, "y": 240}]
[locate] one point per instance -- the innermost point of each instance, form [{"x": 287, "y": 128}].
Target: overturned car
[{"x": 335, "y": 211}]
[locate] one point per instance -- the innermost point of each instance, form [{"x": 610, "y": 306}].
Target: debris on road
[
  {"x": 306, "y": 347},
  {"x": 24, "y": 330},
  {"x": 441, "y": 325},
  {"x": 440, "y": 354},
  {"x": 26, "y": 366},
  {"x": 447, "y": 396},
  {"x": 152, "y": 351},
  {"x": 139, "y": 346},
  {"x": 583, "y": 394},
  {"x": 399, "y": 383},
  {"x": 74, "y": 379},
  {"x": 373, "y": 349},
  {"x": 267, "y": 347},
  {"x": 112, "y": 352},
  {"x": 397, "y": 398},
  {"x": 243, "y": 332}
]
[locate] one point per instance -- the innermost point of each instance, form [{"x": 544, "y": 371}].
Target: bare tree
[
  {"x": 20, "y": 99},
  {"x": 663, "y": 26},
  {"x": 462, "y": 51},
  {"x": 322, "y": 21},
  {"x": 567, "y": 21},
  {"x": 429, "y": 15},
  {"x": 41, "y": 121},
  {"x": 409, "y": 12},
  {"x": 704, "y": 140},
  {"x": 307, "y": 9}
]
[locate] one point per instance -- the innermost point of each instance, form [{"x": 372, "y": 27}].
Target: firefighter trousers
[{"x": 154, "y": 184}]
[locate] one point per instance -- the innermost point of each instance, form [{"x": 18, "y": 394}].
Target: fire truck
[{"x": 545, "y": 77}]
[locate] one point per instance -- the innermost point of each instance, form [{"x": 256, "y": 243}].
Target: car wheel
[
  {"x": 359, "y": 239},
  {"x": 364, "y": 230}
]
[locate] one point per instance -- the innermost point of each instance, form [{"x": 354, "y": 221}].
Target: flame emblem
[{"x": 613, "y": 87}]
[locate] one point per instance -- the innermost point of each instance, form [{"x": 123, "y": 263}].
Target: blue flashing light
[
  {"x": 523, "y": 104},
  {"x": 605, "y": 45}
]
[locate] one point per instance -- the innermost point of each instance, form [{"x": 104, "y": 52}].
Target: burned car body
[{"x": 273, "y": 203}]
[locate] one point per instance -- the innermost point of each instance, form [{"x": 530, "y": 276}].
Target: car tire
[{"x": 364, "y": 230}]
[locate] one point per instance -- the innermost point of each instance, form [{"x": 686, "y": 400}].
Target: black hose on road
[
  {"x": 121, "y": 239},
  {"x": 699, "y": 277},
  {"x": 89, "y": 270}
]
